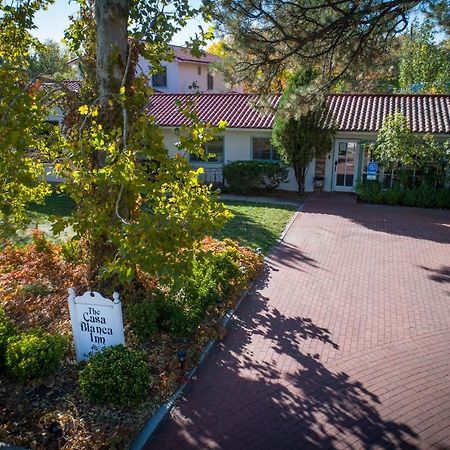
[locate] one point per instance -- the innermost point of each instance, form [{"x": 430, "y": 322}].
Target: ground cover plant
[{"x": 102, "y": 404}]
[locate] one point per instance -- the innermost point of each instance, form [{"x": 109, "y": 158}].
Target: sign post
[
  {"x": 96, "y": 322},
  {"x": 372, "y": 170}
]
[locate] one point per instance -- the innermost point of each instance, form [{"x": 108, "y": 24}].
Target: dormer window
[
  {"x": 210, "y": 82},
  {"x": 159, "y": 79}
]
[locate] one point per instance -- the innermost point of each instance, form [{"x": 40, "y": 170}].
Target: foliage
[
  {"x": 116, "y": 375},
  {"x": 27, "y": 413},
  {"x": 300, "y": 140},
  {"x": 22, "y": 119},
  {"x": 336, "y": 37},
  {"x": 424, "y": 65},
  {"x": 398, "y": 149},
  {"x": 7, "y": 331},
  {"x": 33, "y": 285},
  {"x": 132, "y": 215},
  {"x": 422, "y": 196},
  {"x": 34, "y": 354},
  {"x": 51, "y": 60},
  {"x": 219, "y": 48},
  {"x": 243, "y": 176},
  {"x": 438, "y": 12},
  {"x": 143, "y": 317},
  {"x": 71, "y": 251},
  {"x": 396, "y": 144},
  {"x": 128, "y": 215},
  {"x": 216, "y": 278}
]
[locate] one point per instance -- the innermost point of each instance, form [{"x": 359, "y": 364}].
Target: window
[
  {"x": 199, "y": 70},
  {"x": 210, "y": 82},
  {"x": 213, "y": 152},
  {"x": 262, "y": 149},
  {"x": 159, "y": 79}
]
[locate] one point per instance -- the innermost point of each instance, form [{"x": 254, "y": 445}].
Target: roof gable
[{"x": 183, "y": 54}]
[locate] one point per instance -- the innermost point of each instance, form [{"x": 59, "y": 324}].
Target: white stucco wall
[
  {"x": 198, "y": 73},
  {"x": 182, "y": 75},
  {"x": 237, "y": 147},
  {"x": 172, "y": 74}
]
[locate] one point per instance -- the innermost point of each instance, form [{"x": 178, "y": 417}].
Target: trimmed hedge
[
  {"x": 421, "y": 196},
  {"x": 243, "y": 176}
]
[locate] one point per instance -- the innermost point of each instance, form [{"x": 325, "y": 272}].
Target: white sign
[{"x": 96, "y": 322}]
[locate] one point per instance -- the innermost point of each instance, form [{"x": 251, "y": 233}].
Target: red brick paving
[{"x": 345, "y": 343}]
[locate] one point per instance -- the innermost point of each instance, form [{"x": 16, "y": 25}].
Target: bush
[
  {"x": 214, "y": 277},
  {"x": 71, "y": 251},
  {"x": 224, "y": 270},
  {"x": 180, "y": 313},
  {"x": 423, "y": 196},
  {"x": 443, "y": 198},
  {"x": 7, "y": 331},
  {"x": 116, "y": 375},
  {"x": 243, "y": 176},
  {"x": 34, "y": 354},
  {"x": 143, "y": 317}
]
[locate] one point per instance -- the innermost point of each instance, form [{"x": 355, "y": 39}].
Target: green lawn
[
  {"x": 255, "y": 225},
  {"x": 55, "y": 205}
]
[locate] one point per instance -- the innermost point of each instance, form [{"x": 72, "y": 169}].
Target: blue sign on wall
[{"x": 372, "y": 169}]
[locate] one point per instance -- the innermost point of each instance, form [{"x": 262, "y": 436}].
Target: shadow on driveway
[{"x": 243, "y": 400}]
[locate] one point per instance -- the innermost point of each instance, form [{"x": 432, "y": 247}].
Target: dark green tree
[
  {"x": 51, "y": 60},
  {"x": 424, "y": 65},
  {"x": 336, "y": 37},
  {"x": 300, "y": 139}
]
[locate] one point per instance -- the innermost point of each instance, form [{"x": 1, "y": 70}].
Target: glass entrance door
[{"x": 345, "y": 164}]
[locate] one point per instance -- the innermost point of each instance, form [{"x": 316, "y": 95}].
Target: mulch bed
[{"x": 51, "y": 413}]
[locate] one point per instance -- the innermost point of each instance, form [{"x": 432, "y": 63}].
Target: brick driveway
[{"x": 344, "y": 344}]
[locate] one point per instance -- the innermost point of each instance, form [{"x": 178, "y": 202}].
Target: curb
[{"x": 163, "y": 411}]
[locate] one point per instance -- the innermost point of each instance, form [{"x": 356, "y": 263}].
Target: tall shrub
[{"x": 300, "y": 139}]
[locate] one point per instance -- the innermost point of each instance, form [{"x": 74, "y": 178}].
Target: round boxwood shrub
[
  {"x": 116, "y": 375},
  {"x": 34, "y": 354},
  {"x": 7, "y": 330}
]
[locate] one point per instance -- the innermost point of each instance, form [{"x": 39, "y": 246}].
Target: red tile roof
[
  {"x": 238, "y": 110},
  {"x": 366, "y": 112},
  {"x": 73, "y": 85},
  {"x": 351, "y": 112}
]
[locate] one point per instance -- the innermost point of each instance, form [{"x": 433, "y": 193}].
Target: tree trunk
[
  {"x": 111, "y": 18},
  {"x": 300, "y": 177}
]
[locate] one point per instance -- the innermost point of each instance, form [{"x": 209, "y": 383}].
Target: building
[
  {"x": 356, "y": 118},
  {"x": 184, "y": 74},
  {"x": 187, "y": 72}
]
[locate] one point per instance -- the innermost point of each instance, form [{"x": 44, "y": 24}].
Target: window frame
[
  {"x": 272, "y": 150},
  {"x": 199, "y": 160},
  {"x": 210, "y": 81},
  {"x": 163, "y": 73}
]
